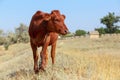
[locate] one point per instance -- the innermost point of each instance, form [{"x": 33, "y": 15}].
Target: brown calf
[{"x": 43, "y": 31}]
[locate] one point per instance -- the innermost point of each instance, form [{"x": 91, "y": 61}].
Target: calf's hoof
[
  {"x": 36, "y": 71},
  {"x": 42, "y": 69}
]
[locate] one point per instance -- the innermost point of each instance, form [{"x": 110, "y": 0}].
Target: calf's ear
[
  {"x": 63, "y": 16},
  {"x": 38, "y": 15},
  {"x": 55, "y": 12}
]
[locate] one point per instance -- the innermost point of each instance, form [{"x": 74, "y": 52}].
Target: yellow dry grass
[{"x": 76, "y": 59}]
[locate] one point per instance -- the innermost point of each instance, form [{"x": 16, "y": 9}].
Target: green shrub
[
  {"x": 6, "y": 45},
  {"x": 80, "y": 33}
]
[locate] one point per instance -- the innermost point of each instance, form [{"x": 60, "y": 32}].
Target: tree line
[
  {"x": 20, "y": 35},
  {"x": 111, "y": 25},
  {"x": 110, "y": 21}
]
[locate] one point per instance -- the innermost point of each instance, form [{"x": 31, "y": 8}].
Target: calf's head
[{"x": 55, "y": 22}]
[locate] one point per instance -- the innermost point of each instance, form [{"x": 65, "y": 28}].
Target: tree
[
  {"x": 1, "y": 32},
  {"x": 22, "y": 33},
  {"x": 12, "y": 37},
  {"x": 1, "y": 37},
  {"x": 80, "y": 32},
  {"x": 4, "y": 40},
  {"x": 110, "y": 20},
  {"x": 101, "y": 30}
]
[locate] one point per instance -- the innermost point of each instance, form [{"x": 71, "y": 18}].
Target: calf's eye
[{"x": 57, "y": 20}]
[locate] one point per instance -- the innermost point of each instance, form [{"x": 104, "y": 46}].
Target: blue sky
[{"x": 80, "y": 14}]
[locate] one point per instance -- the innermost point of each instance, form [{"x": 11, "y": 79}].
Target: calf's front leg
[
  {"x": 53, "y": 48},
  {"x": 44, "y": 55},
  {"x": 46, "y": 58},
  {"x": 35, "y": 57}
]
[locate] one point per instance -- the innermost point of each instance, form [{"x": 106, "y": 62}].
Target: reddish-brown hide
[{"x": 43, "y": 31}]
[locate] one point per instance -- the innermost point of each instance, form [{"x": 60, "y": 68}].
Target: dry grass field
[{"x": 76, "y": 59}]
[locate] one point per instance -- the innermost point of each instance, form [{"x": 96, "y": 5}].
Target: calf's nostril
[{"x": 66, "y": 31}]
